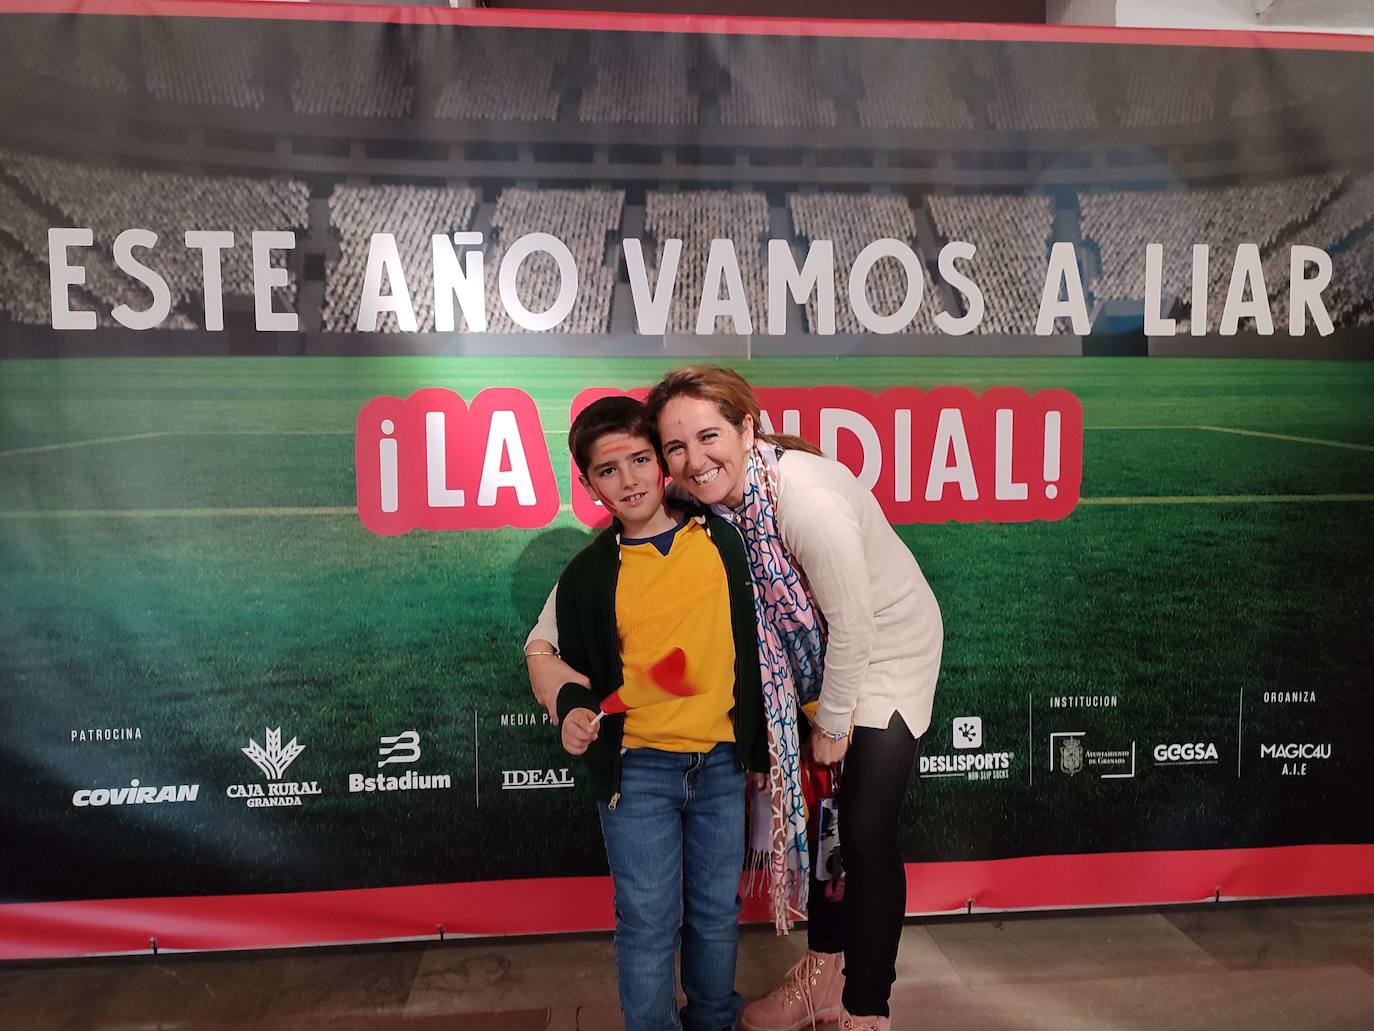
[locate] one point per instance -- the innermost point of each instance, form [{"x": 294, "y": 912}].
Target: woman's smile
[{"x": 704, "y": 452}]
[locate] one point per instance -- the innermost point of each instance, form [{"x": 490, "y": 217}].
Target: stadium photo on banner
[{"x": 298, "y": 307}]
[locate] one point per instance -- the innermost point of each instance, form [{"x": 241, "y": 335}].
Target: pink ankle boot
[
  {"x": 849, "y": 1022},
  {"x": 809, "y": 993}
]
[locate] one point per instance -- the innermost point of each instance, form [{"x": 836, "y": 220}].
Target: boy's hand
[{"x": 579, "y": 731}]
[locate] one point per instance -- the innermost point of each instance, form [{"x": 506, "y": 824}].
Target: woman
[{"x": 817, "y": 542}]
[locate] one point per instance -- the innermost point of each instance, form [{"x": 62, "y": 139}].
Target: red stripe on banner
[
  {"x": 104, "y": 926},
  {"x": 301, "y": 10}
]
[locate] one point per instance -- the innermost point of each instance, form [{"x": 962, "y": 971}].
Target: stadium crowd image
[
  {"x": 976, "y": 142},
  {"x": 963, "y": 426}
]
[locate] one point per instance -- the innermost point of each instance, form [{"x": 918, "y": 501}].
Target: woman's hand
[
  {"x": 548, "y": 674},
  {"x": 579, "y": 731},
  {"x": 826, "y": 751}
]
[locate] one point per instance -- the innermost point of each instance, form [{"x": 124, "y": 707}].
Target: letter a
[
  {"x": 949, "y": 432},
  {"x": 1062, "y": 278}
]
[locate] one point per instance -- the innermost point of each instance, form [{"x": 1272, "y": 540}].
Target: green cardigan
[{"x": 589, "y": 642}]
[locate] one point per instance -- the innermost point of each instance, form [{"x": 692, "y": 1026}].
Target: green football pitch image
[{"x": 182, "y": 556}]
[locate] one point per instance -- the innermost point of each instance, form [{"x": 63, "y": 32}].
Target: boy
[{"x": 669, "y": 777}]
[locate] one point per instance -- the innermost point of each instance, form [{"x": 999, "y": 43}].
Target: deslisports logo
[{"x": 967, "y": 760}]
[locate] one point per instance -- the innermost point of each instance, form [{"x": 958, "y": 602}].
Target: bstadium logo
[
  {"x": 535, "y": 780},
  {"x": 1070, "y": 755},
  {"x": 137, "y": 793},
  {"x": 102, "y": 735},
  {"x": 1294, "y": 757},
  {"x": 273, "y": 761},
  {"x": 968, "y": 761},
  {"x": 399, "y": 748},
  {"x": 1192, "y": 753},
  {"x": 402, "y": 748}
]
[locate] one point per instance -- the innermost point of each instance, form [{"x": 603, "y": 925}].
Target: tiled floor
[{"x": 1253, "y": 966}]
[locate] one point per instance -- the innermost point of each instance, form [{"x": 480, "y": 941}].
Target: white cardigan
[{"x": 885, "y": 633}]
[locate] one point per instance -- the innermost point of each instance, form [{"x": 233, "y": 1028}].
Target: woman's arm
[
  {"x": 547, "y": 670},
  {"x": 822, "y": 532}
]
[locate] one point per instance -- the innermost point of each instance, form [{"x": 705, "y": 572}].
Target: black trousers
[{"x": 867, "y": 924}]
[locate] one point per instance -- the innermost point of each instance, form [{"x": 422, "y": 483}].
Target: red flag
[{"x": 664, "y": 681}]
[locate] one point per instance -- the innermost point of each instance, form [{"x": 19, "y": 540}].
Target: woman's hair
[{"x": 729, "y": 392}]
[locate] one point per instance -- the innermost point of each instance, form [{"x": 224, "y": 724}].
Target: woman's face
[{"x": 705, "y": 454}]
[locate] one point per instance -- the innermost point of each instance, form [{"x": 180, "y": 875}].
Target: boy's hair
[{"x": 609, "y": 415}]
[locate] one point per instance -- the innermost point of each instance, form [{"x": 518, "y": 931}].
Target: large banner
[{"x": 296, "y": 307}]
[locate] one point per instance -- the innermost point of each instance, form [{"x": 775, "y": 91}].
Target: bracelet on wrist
[{"x": 830, "y": 734}]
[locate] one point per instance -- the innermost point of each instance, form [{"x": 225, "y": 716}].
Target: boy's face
[{"x": 624, "y": 475}]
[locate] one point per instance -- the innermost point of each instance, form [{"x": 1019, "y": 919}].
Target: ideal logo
[
  {"x": 968, "y": 732},
  {"x": 403, "y": 748},
  {"x": 274, "y": 759},
  {"x": 531, "y": 780}
]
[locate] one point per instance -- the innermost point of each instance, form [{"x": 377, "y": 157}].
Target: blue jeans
[{"x": 675, "y": 843}]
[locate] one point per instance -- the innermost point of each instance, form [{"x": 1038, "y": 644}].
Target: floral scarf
[{"x": 791, "y": 633}]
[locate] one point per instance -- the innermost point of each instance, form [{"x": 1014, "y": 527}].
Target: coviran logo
[
  {"x": 1193, "y": 753},
  {"x": 399, "y": 748},
  {"x": 273, "y": 761},
  {"x": 966, "y": 733},
  {"x": 1295, "y": 757},
  {"x": 135, "y": 794},
  {"x": 532, "y": 780}
]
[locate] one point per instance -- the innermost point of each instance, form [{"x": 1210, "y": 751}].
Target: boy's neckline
[
  {"x": 674, "y": 518},
  {"x": 662, "y": 541}
]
